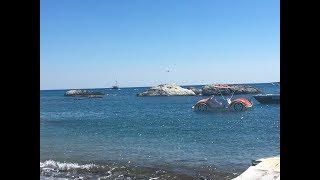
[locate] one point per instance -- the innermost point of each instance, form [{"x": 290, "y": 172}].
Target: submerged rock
[
  {"x": 83, "y": 93},
  {"x": 167, "y": 90},
  {"x": 209, "y": 90}
]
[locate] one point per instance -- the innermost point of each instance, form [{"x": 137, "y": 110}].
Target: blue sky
[{"x": 91, "y": 44}]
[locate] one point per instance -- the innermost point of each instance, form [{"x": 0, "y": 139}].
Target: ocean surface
[{"x": 122, "y": 136}]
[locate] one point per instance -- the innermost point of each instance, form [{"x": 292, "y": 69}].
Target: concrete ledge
[{"x": 266, "y": 169}]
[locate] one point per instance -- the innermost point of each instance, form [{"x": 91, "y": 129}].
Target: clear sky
[{"x": 91, "y": 44}]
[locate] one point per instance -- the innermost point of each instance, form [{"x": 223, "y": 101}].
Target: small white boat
[{"x": 115, "y": 86}]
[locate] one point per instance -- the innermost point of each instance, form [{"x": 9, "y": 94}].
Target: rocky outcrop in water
[
  {"x": 209, "y": 90},
  {"x": 83, "y": 93},
  {"x": 167, "y": 90},
  {"x": 195, "y": 90}
]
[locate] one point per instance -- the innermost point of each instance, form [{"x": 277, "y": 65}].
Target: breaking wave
[{"x": 51, "y": 169}]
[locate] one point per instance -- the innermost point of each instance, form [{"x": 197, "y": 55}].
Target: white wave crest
[{"x": 62, "y": 166}]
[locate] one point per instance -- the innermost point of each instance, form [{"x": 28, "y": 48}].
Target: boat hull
[{"x": 268, "y": 98}]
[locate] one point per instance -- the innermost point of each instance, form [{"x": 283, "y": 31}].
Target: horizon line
[{"x": 154, "y": 85}]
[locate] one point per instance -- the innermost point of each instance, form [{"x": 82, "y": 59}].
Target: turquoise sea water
[{"x": 122, "y": 136}]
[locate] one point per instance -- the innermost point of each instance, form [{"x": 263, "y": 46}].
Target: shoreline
[{"x": 111, "y": 170}]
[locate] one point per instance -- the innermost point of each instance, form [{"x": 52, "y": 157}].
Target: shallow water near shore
[{"x": 122, "y": 136}]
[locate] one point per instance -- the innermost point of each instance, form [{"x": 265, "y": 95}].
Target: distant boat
[
  {"x": 115, "y": 86},
  {"x": 268, "y": 98}
]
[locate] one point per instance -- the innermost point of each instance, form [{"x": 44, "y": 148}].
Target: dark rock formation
[{"x": 209, "y": 90}]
